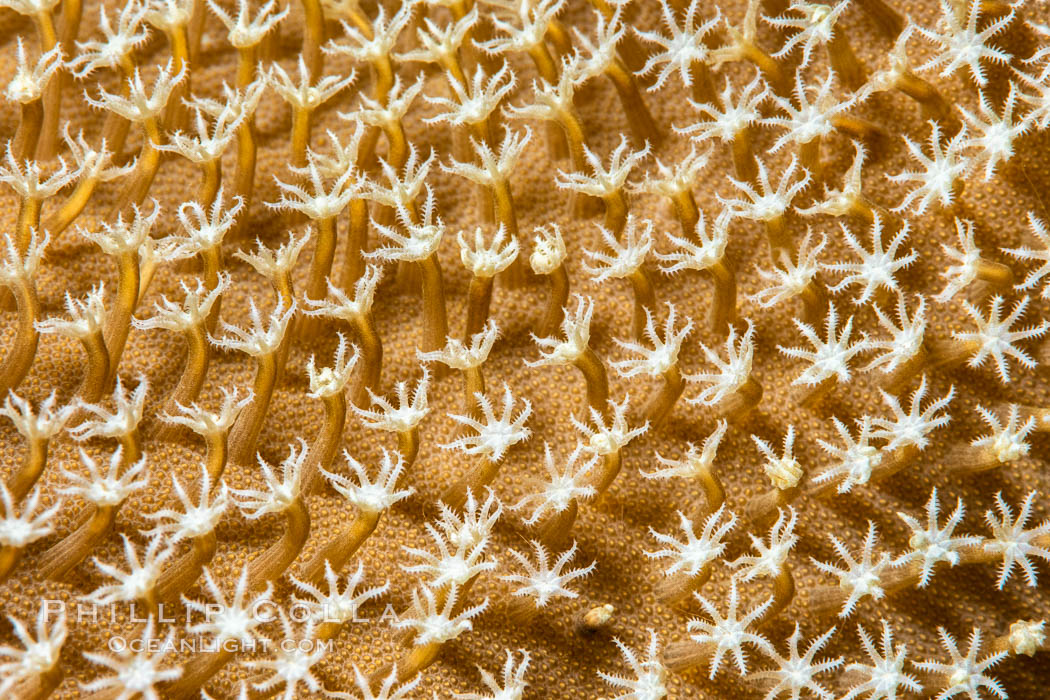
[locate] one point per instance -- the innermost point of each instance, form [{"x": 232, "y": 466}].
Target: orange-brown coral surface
[{"x": 614, "y": 530}]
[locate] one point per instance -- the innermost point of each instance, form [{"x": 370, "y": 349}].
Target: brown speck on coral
[{"x": 453, "y": 401}]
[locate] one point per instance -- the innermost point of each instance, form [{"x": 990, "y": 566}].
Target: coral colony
[{"x": 502, "y": 349}]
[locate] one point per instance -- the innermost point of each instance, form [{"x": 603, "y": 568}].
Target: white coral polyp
[
  {"x": 1027, "y": 637},
  {"x": 549, "y": 251}
]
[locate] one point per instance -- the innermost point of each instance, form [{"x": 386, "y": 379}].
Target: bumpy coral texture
[{"x": 614, "y": 530}]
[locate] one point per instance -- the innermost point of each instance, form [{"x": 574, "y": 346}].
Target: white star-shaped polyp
[
  {"x": 566, "y": 482},
  {"x": 963, "y": 45},
  {"x": 664, "y": 353},
  {"x": 1033, "y": 278},
  {"x": 545, "y": 581},
  {"x": 373, "y": 497},
  {"x": 439, "y": 629},
  {"x": 856, "y": 461},
  {"x": 884, "y": 677},
  {"x": 693, "y": 554},
  {"x": 493, "y": 437},
  {"x": 876, "y": 269},
  {"x": 139, "y": 675},
  {"x": 15, "y": 533},
  {"x": 941, "y": 170},
  {"x": 912, "y": 428},
  {"x": 816, "y": 27},
  {"x": 683, "y": 48},
  {"x": 935, "y": 544},
  {"x": 773, "y": 202},
  {"x": 729, "y": 633},
  {"x": 39, "y": 656},
  {"x": 650, "y": 676},
  {"x": 798, "y": 672},
  {"x": 560, "y": 491},
  {"x": 135, "y": 671},
  {"x": 576, "y": 327},
  {"x": 861, "y": 575},
  {"x": 433, "y": 624},
  {"x": 994, "y": 338},
  {"x": 864, "y": 583},
  {"x": 829, "y": 358},
  {"x": 36, "y": 652},
  {"x": 814, "y": 115},
  {"x": 1015, "y": 543},
  {"x": 769, "y": 559},
  {"x": 996, "y": 133},
  {"x": 790, "y": 277},
  {"x": 229, "y": 619},
  {"x": 730, "y": 374},
  {"x": 965, "y": 675}
]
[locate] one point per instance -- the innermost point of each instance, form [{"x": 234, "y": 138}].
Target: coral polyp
[{"x": 508, "y": 349}]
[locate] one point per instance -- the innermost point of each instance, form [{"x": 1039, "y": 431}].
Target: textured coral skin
[{"x": 614, "y": 531}]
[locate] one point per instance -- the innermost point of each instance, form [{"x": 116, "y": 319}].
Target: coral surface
[{"x": 748, "y": 299}]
